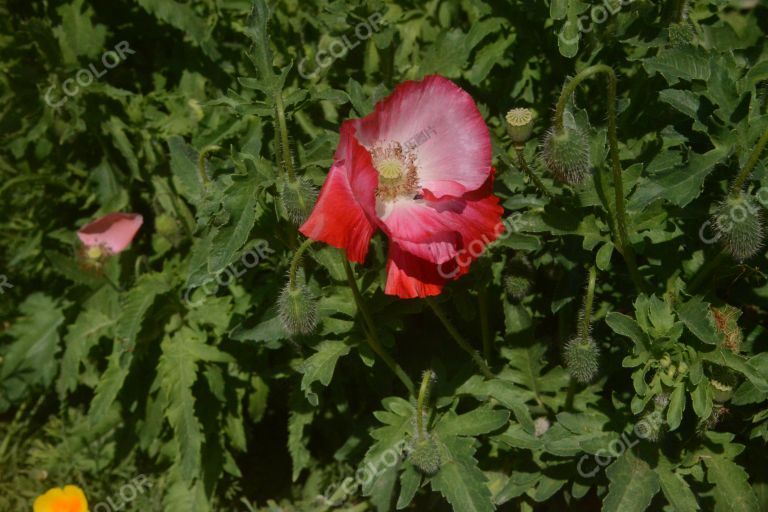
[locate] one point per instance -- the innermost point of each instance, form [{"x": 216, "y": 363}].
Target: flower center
[
  {"x": 94, "y": 252},
  {"x": 397, "y": 171}
]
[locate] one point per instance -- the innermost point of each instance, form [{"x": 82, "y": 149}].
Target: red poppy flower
[
  {"x": 419, "y": 169},
  {"x": 112, "y": 232}
]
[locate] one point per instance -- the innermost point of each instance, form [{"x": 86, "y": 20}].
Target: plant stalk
[
  {"x": 523, "y": 165},
  {"x": 459, "y": 338},
  {"x": 284, "y": 150},
  {"x": 371, "y": 337},
  {"x": 750, "y": 165},
  {"x": 204, "y": 179},
  {"x": 620, "y": 220},
  {"x": 296, "y": 260},
  {"x": 426, "y": 382}
]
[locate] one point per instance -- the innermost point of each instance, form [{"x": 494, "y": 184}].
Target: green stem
[
  {"x": 680, "y": 10},
  {"x": 705, "y": 271},
  {"x": 571, "y": 393},
  {"x": 204, "y": 179},
  {"x": 459, "y": 339},
  {"x": 523, "y": 165},
  {"x": 753, "y": 159},
  {"x": 284, "y": 150},
  {"x": 586, "y": 320},
  {"x": 620, "y": 220},
  {"x": 426, "y": 382},
  {"x": 372, "y": 338},
  {"x": 485, "y": 328},
  {"x": 296, "y": 260}
]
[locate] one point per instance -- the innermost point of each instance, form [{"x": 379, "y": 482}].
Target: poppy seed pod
[
  {"x": 566, "y": 154},
  {"x": 519, "y": 124}
]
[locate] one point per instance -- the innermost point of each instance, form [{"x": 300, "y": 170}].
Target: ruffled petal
[
  {"x": 438, "y": 239},
  {"x": 345, "y": 210},
  {"x": 441, "y": 123},
  {"x": 409, "y": 276},
  {"x": 115, "y": 231}
]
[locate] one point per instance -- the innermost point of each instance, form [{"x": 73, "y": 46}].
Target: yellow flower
[{"x": 69, "y": 499}]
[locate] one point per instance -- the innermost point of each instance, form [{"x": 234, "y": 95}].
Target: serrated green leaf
[
  {"x": 731, "y": 486},
  {"x": 319, "y": 367},
  {"x": 633, "y": 484},
  {"x": 459, "y": 479}
]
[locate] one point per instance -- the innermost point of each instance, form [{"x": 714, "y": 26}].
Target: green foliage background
[{"x": 103, "y": 378}]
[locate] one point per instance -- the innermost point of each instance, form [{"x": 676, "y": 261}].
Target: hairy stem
[
  {"x": 523, "y": 165},
  {"x": 485, "y": 328},
  {"x": 679, "y": 13},
  {"x": 296, "y": 260},
  {"x": 459, "y": 338},
  {"x": 620, "y": 221},
  {"x": 204, "y": 179},
  {"x": 586, "y": 319},
  {"x": 284, "y": 150},
  {"x": 749, "y": 167},
  {"x": 372, "y": 337},
  {"x": 426, "y": 383}
]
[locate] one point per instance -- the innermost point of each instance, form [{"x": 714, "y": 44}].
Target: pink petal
[
  {"x": 438, "y": 230},
  {"x": 343, "y": 212},
  {"x": 452, "y": 143},
  {"x": 115, "y": 231}
]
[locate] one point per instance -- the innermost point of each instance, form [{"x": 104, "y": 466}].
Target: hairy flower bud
[
  {"x": 297, "y": 309},
  {"x": 298, "y": 198},
  {"x": 680, "y": 34},
  {"x": 582, "y": 358},
  {"x": 519, "y": 124},
  {"x": 566, "y": 154},
  {"x": 425, "y": 455},
  {"x": 739, "y": 226},
  {"x": 650, "y": 427},
  {"x": 517, "y": 286}
]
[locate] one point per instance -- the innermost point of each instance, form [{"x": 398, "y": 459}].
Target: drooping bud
[
  {"x": 425, "y": 454},
  {"x": 297, "y": 309},
  {"x": 566, "y": 154},
  {"x": 739, "y": 226},
  {"x": 298, "y": 198},
  {"x": 519, "y": 124},
  {"x": 582, "y": 358}
]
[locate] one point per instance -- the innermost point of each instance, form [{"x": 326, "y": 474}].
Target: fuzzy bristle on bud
[
  {"x": 650, "y": 427},
  {"x": 425, "y": 455},
  {"x": 519, "y": 124},
  {"x": 517, "y": 286},
  {"x": 582, "y": 358},
  {"x": 297, "y": 309},
  {"x": 298, "y": 198},
  {"x": 566, "y": 154},
  {"x": 680, "y": 34},
  {"x": 739, "y": 225}
]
